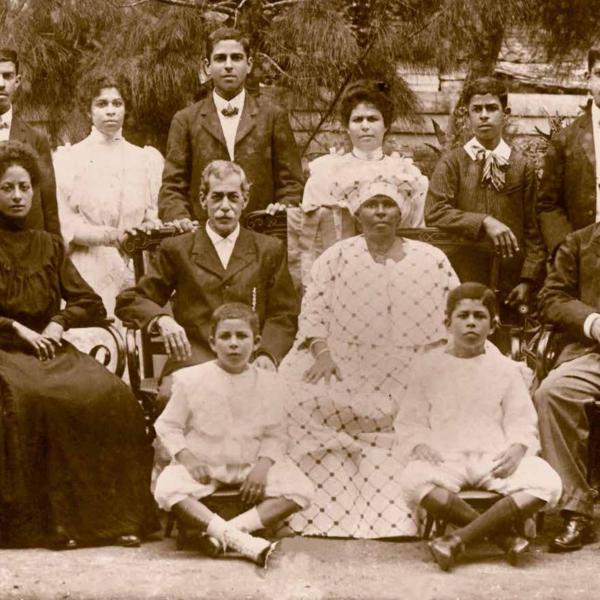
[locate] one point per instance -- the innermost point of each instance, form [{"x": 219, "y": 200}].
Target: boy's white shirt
[
  {"x": 229, "y": 125},
  {"x": 479, "y": 404},
  {"x": 7, "y": 118},
  {"x": 502, "y": 150},
  {"x": 224, "y": 418}
]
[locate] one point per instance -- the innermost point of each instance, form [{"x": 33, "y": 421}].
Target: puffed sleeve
[{"x": 83, "y": 306}]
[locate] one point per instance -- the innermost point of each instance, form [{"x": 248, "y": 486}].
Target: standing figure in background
[
  {"x": 230, "y": 124},
  {"x": 569, "y": 196},
  {"x": 106, "y": 186},
  {"x": 367, "y": 112},
  {"x": 487, "y": 189},
  {"x": 44, "y": 212}
]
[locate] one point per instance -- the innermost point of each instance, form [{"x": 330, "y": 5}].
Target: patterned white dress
[
  {"x": 103, "y": 184},
  {"x": 376, "y": 318}
]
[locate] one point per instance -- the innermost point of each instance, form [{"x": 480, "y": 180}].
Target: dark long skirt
[{"x": 73, "y": 452}]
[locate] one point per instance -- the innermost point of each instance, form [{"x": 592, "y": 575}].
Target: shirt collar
[
  {"x": 215, "y": 238},
  {"x": 595, "y": 114},
  {"x": 236, "y": 101},
  {"x": 7, "y": 117},
  {"x": 97, "y": 136},
  {"x": 502, "y": 150}
]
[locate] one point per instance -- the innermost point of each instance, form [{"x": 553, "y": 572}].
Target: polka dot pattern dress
[{"x": 376, "y": 318}]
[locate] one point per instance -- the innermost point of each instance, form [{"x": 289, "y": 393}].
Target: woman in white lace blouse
[{"x": 105, "y": 186}]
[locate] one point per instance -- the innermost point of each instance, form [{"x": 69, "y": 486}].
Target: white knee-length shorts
[
  {"x": 462, "y": 470},
  {"x": 284, "y": 479}
]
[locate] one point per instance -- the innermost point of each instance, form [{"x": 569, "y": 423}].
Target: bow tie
[
  {"x": 230, "y": 111},
  {"x": 3, "y": 125},
  {"x": 494, "y": 169}
]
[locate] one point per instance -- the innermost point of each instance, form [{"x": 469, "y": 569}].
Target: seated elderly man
[
  {"x": 570, "y": 299},
  {"x": 219, "y": 262}
]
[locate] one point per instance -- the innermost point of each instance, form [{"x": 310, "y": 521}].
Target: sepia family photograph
[{"x": 299, "y": 299}]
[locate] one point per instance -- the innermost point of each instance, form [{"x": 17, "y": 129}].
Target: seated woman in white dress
[
  {"x": 372, "y": 303},
  {"x": 367, "y": 112},
  {"x": 105, "y": 186}
]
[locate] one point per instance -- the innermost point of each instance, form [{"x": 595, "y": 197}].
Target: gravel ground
[{"x": 311, "y": 569}]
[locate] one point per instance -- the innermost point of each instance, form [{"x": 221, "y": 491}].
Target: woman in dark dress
[{"x": 74, "y": 459}]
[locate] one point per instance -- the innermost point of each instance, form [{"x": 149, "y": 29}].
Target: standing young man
[
  {"x": 569, "y": 196},
  {"x": 230, "y": 124},
  {"x": 44, "y": 211},
  {"x": 488, "y": 189}
]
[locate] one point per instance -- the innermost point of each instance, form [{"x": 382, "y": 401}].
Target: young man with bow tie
[
  {"x": 488, "y": 189},
  {"x": 569, "y": 196},
  {"x": 44, "y": 211},
  {"x": 230, "y": 124}
]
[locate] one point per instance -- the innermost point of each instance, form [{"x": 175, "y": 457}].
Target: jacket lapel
[
  {"x": 210, "y": 120},
  {"x": 244, "y": 253},
  {"x": 586, "y": 139},
  {"x": 18, "y": 131},
  {"x": 247, "y": 119},
  {"x": 205, "y": 255}
]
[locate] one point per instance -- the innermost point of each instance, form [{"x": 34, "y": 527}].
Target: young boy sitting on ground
[
  {"x": 467, "y": 421},
  {"x": 224, "y": 424}
]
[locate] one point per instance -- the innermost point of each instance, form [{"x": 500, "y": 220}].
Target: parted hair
[
  {"x": 371, "y": 92},
  {"x": 221, "y": 169},
  {"x": 471, "y": 290},
  {"x": 234, "y": 310},
  {"x": 226, "y": 33},
  {"x": 17, "y": 153},
  {"x": 10, "y": 55},
  {"x": 482, "y": 86},
  {"x": 94, "y": 82}
]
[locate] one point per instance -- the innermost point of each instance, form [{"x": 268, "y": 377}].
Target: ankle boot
[
  {"x": 513, "y": 546},
  {"x": 446, "y": 550},
  {"x": 256, "y": 549}
]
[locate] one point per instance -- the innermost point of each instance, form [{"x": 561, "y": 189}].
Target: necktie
[
  {"x": 493, "y": 173},
  {"x": 230, "y": 111},
  {"x": 3, "y": 124}
]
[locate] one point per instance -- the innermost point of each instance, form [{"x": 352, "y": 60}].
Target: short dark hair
[
  {"x": 234, "y": 310},
  {"x": 10, "y": 55},
  {"x": 482, "y": 86},
  {"x": 471, "y": 290},
  {"x": 94, "y": 82},
  {"x": 226, "y": 33},
  {"x": 593, "y": 57},
  {"x": 17, "y": 153},
  {"x": 371, "y": 92}
]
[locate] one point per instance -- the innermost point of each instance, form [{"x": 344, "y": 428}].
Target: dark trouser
[{"x": 564, "y": 426}]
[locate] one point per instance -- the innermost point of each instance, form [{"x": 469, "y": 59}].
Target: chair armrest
[
  {"x": 108, "y": 325},
  {"x": 542, "y": 350}
]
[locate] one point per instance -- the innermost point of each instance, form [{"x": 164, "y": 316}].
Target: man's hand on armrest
[{"x": 174, "y": 337}]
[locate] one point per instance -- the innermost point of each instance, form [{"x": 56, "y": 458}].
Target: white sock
[{"x": 248, "y": 521}]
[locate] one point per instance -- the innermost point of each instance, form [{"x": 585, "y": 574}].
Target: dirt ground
[{"x": 311, "y": 569}]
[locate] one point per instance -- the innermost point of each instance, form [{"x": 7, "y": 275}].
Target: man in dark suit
[
  {"x": 44, "y": 210},
  {"x": 218, "y": 262},
  {"x": 230, "y": 124},
  {"x": 570, "y": 299},
  {"x": 569, "y": 195}
]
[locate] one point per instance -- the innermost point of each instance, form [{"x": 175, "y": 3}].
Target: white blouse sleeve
[
  {"x": 74, "y": 226},
  {"x": 154, "y": 167}
]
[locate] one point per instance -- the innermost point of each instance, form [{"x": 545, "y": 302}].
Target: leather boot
[{"x": 446, "y": 550}]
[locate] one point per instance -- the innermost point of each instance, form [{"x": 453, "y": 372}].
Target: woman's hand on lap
[
  {"x": 253, "y": 488},
  {"x": 325, "y": 368},
  {"x": 43, "y": 346},
  {"x": 54, "y": 331}
]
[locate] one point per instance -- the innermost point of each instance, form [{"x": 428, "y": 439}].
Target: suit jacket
[
  {"x": 189, "y": 266},
  {"x": 567, "y": 196},
  {"x": 265, "y": 148},
  {"x": 571, "y": 291},
  {"x": 457, "y": 202},
  {"x": 44, "y": 210}
]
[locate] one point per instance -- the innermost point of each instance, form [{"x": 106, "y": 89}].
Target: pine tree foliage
[{"x": 309, "y": 48}]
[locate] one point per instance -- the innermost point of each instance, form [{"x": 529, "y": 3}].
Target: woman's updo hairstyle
[
  {"x": 17, "y": 153},
  {"x": 94, "y": 82},
  {"x": 366, "y": 91}
]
